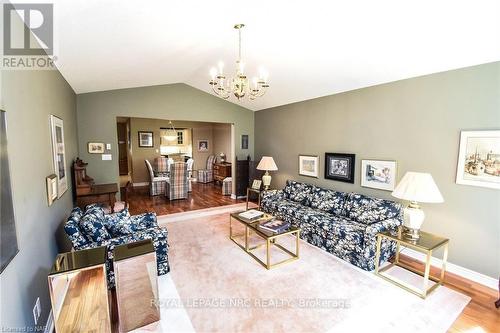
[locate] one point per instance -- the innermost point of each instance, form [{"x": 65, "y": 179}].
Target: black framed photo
[
  {"x": 244, "y": 141},
  {"x": 146, "y": 139},
  {"x": 340, "y": 167}
]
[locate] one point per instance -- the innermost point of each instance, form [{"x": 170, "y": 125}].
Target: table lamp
[
  {"x": 267, "y": 163},
  {"x": 416, "y": 187}
]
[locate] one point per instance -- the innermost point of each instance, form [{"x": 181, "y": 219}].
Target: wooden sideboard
[{"x": 221, "y": 171}]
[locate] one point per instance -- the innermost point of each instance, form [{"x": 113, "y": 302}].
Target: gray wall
[
  {"x": 97, "y": 114},
  {"x": 29, "y": 97},
  {"x": 416, "y": 122}
]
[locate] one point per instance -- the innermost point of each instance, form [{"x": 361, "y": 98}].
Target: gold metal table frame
[
  {"x": 427, "y": 243},
  {"x": 269, "y": 240}
]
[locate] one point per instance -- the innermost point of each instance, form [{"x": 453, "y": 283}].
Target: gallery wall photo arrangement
[
  {"x": 59, "y": 154},
  {"x": 340, "y": 167},
  {"x": 8, "y": 236},
  {"x": 95, "y": 148},
  {"x": 379, "y": 174},
  {"x": 479, "y": 159},
  {"x": 309, "y": 165},
  {"x": 203, "y": 145},
  {"x": 145, "y": 139}
]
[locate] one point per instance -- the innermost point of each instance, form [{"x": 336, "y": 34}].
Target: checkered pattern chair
[
  {"x": 156, "y": 184},
  {"x": 177, "y": 186},
  {"x": 207, "y": 175}
]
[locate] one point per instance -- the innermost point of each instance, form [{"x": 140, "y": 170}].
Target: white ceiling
[{"x": 309, "y": 48}]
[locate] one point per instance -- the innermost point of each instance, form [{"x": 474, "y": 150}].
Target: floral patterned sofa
[
  {"x": 94, "y": 228},
  {"x": 344, "y": 224}
]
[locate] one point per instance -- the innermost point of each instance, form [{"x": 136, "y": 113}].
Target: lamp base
[
  {"x": 411, "y": 233},
  {"x": 266, "y": 180}
]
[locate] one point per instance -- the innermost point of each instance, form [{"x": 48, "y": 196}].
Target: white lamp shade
[
  {"x": 267, "y": 164},
  {"x": 419, "y": 187}
]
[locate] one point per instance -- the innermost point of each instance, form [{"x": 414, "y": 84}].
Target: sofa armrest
[{"x": 370, "y": 238}]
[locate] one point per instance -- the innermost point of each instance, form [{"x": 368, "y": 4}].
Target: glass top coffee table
[{"x": 270, "y": 239}]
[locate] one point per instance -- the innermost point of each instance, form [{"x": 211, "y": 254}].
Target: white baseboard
[
  {"x": 455, "y": 269},
  {"x": 140, "y": 184}
]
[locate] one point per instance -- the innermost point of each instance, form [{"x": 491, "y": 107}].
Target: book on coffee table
[
  {"x": 275, "y": 226},
  {"x": 252, "y": 214}
]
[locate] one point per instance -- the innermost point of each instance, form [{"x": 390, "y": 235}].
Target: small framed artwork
[
  {"x": 479, "y": 159},
  {"x": 340, "y": 167},
  {"x": 59, "y": 154},
  {"x": 51, "y": 189},
  {"x": 244, "y": 141},
  {"x": 203, "y": 145},
  {"x": 379, "y": 174},
  {"x": 309, "y": 165},
  {"x": 95, "y": 148},
  {"x": 256, "y": 184},
  {"x": 146, "y": 139}
]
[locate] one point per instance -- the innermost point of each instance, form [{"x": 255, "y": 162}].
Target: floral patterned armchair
[
  {"x": 344, "y": 224},
  {"x": 94, "y": 228}
]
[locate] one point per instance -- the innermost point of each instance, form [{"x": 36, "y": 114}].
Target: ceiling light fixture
[
  {"x": 170, "y": 133},
  {"x": 238, "y": 85}
]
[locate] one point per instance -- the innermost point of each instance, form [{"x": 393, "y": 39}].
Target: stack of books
[{"x": 275, "y": 226}]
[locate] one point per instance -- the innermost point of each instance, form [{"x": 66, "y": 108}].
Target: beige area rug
[{"x": 216, "y": 287}]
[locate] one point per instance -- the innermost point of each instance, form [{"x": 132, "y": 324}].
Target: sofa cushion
[
  {"x": 72, "y": 229},
  {"x": 327, "y": 200},
  {"x": 364, "y": 209},
  {"x": 298, "y": 192},
  {"x": 114, "y": 222},
  {"x": 92, "y": 224},
  {"x": 346, "y": 233}
]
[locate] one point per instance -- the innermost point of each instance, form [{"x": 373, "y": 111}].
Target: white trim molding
[{"x": 455, "y": 269}]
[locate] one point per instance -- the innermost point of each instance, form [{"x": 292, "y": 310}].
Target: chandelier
[
  {"x": 170, "y": 133},
  {"x": 238, "y": 85}
]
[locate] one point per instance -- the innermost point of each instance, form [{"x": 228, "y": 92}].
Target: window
[{"x": 180, "y": 138}]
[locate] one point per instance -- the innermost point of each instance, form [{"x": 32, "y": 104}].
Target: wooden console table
[
  {"x": 221, "y": 171},
  {"x": 99, "y": 193}
]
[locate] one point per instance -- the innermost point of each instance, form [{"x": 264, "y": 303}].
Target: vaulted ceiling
[{"x": 310, "y": 48}]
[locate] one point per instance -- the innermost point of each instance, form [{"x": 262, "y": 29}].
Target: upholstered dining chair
[
  {"x": 207, "y": 175},
  {"x": 156, "y": 184},
  {"x": 160, "y": 166},
  {"x": 177, "y": 185},
  {"x": 190, "y": 163}
]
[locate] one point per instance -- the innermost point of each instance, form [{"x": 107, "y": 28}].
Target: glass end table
[{"x": 427, "y": 243}]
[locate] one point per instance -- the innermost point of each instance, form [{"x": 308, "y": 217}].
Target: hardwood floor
[
  {"x": 480, "y": 315},
  {"x": 202, "y": 196}
]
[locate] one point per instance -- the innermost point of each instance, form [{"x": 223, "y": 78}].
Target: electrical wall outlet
[{"x": 37, "y": 310}]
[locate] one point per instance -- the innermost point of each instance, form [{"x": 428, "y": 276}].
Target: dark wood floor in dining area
[{"x": 202, "y": 196}]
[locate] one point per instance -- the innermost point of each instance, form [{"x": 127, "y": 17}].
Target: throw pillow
[
  {"x": 112, "y": 222},
  {"x": 328, "y": 200},
  {"x": 367, "y": 210},
  {"x": 92, "y": 224}
]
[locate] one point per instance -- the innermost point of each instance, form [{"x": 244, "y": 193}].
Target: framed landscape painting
[
  {"x": 146, "y": 139},
  {"x": 340, "y": 167},
  {"x": 378, "y": 174},
  {"x": 95, "y": 148},
  {"x": 479, "y": 159},
  {"x": 309, "y": 165}
]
